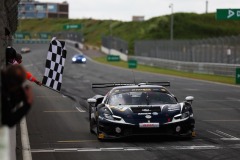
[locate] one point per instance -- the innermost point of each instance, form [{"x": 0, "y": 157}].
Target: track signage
[
  {"x": 72, "y": 26},
  {"x": 228, "y": 14}
]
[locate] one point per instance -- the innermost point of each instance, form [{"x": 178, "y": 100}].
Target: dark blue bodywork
[{"x": 79, "y": 58}]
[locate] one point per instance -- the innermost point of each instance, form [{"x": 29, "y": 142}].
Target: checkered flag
[{"x": 55, "y": 65}]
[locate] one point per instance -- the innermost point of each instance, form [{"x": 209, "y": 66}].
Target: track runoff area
[{"x": 58, "y": 128}]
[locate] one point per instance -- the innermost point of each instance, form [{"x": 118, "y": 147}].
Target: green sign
[
  {"x": 72, "y": 26},
  {"x": 44, "y": 35},
  {"x": 113, "y": 58},
  {"x": 19, "y": 36},
  {"x": 22, "y": 35},
  {"x": 132, "y": 63},
  {"x": 228, "y": 14},
  {"x": 237, "y": 75}
]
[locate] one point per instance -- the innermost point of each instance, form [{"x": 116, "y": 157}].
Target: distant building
[
  {"x": 28, "y": 9},
  {"x": 138, "y": 18}
]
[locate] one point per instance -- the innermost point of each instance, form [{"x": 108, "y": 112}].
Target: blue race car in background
[{"x": 79, "y": 58}]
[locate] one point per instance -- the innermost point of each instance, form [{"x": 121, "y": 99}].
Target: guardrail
[
  {"x": 31, "y": 41},
  {"x": 108, "y": 51},
  {"x": 193, "y": 67}
]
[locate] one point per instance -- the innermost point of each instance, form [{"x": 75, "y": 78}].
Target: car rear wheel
[
  {"x": 100, "y": 136},
  {"x": 89, "y": 113}
]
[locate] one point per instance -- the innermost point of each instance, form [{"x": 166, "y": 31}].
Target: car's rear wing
[{"x": 107, "y": 85}]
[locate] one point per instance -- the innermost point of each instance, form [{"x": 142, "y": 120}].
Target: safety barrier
[
  {"x": 193, "y": 67},
  {"x": 31, "y": 41},
  {"x": 8, "y": 23}
]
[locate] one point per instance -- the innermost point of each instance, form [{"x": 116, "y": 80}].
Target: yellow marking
[
  {"x": 77, "y": 141},
  {"x": 69, "y": 111},
  {"x": 101, "y": 136}
]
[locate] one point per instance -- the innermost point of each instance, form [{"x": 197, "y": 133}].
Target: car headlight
[
  {"x": 108, "y": 115},
  {"x": 84, "y": 59},
  {"x": 186, "y": 112},
  {"x": 74, "y": 59}
]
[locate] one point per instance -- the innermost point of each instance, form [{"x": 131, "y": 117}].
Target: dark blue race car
[
  {"x": 143, "y": 109},
  {"x": 79, "y": 58}
]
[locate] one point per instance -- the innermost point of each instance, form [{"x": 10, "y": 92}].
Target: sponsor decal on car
[
  {"x": 140, "y": 114},
  {"x": 120, "y": 108},
  {"x": 149, "y": 125},
  {"x": 142, "y": 89},
  {"x": 146, "y": 110},
  {"x": 148, "y": 116},
  {"x": 171, "y": 109}
]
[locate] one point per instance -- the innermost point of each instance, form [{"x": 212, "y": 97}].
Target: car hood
[
  {"x": 138, "y": 113},
  {"x": 78, "y": 57}
]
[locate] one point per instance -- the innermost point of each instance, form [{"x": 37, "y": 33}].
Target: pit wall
[
  {"x": 193, "y": 67},
  {"x": 8, "y": 25},
  {"x": 107, "y": 51}
]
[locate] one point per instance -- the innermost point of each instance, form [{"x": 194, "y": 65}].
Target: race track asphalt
[{"x": 58, "y": 126}]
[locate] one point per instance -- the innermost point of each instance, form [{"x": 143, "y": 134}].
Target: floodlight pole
[
  {"x": 172, "y": 22},
  {"x": 206, "y": 6}
]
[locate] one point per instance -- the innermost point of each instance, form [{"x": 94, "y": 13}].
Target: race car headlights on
[
  {"x": 108, "y": 115},
  {"x": 186, "y": 112},
  {"x": 84, "y": 59},
  {"x": 74, "y": 59}
]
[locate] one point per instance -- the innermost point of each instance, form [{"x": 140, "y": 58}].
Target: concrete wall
[
  {"x": 81, "y": 46},
  {"x": 208, "y": 68},
  {"x": 123, "y": 56},
  {"x": 8, "y": 23}
]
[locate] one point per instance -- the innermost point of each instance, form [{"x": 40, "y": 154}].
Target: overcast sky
[{"x": 125, "y": 9}]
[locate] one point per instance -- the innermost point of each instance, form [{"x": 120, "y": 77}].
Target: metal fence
[
  {"x": 215, "y": 50},
  {"x": 115, "y": 43},
  {"x": 74, "y": 36}
]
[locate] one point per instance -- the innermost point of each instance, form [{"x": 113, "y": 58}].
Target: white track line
[
  {"x": 80, "y": 109},
  {"x": 216, "y": 134},
  {"x": 224, "y": 136},
  {"x": 127, "y": 149},
  {"x": 228, "y": 135},
  {"x": 26, "y": 150}
]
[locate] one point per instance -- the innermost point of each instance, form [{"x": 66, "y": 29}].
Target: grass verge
[{"x": 207, "y": 77}]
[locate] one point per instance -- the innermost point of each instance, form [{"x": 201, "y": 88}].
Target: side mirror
[
  {"x": 189, "y": 99},
  {"x": 91, "y": 100}
]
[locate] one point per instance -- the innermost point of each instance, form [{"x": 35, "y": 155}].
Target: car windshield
[
  {"x": 150, "y": 97},
  {"x": 78, "y": 55}
]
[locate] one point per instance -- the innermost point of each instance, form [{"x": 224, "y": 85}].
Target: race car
[
  {"x": 79, "y": 58},
  {"x": 139, "y": 109},
  {"x": 25, "y": 50}
]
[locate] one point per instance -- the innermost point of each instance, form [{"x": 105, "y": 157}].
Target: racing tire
[
  {"x": 91, "y": 126},
  {"x": 100, "y": 139},
  {"x": 89, "y": 113}
]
